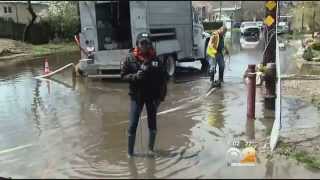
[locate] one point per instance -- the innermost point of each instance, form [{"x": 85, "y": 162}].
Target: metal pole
[
  {"x": 269, "y": 60},
  {"x": 302, "y": 19},
  {"x": 269, "y": 54},
  {"x": 231, "y": 30},
  {"x": 314, "y": 17},
  {"x": 251, "y": 99},
  {"x": 279, "y": 13},
  {"x": 220, "y": 10}
]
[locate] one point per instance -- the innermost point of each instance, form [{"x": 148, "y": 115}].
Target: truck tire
[{"x": 170, "y": 62}]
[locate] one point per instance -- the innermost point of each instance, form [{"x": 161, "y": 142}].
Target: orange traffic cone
[{"x": 46, "y": 66}]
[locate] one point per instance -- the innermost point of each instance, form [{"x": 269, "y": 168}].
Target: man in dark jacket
[{"x": 147, "y": 78}]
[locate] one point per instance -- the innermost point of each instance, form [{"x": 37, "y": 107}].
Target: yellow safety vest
[{"x": 213, "y": 45}]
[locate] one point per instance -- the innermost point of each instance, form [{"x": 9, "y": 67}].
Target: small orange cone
[{"x": 46, "y": 66}]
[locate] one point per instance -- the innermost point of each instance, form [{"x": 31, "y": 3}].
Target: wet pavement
[
  {"x": 297, "y": 113},
  {"x": 76, "y": 128},
  {"x": 287, "y": 60}
]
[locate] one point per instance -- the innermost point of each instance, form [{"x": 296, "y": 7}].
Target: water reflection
[
  {"x": 133, "y": 169},
  {"x": 269, "y": 169},
  {"x": 216, "y": 109},
  {"x": 151, "y": 168},
  {"x": 36, "y": 103},
  {"x": 250, "y": 130}
]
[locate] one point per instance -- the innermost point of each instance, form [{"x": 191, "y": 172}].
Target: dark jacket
[
  {"x": 153, "y": 86},
  {"x": 220, "y": 45}
]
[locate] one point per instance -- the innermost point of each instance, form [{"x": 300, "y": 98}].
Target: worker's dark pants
[
  {"x": 135, "y": 112},
  {"x": 219, "y": 59}
]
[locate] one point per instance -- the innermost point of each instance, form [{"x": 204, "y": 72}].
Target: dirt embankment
[
  {"x": 12, "y": 51},
  {"x": 11, "y": 47}
]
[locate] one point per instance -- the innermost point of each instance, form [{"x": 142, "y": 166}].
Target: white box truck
[{"x": 112, "y": 26}]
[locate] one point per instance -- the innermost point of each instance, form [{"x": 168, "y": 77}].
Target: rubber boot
[
  {"x": 152, "y": 139},
  {"x": 217, "y": 83},
  {"x": 221, "y": 79},
  {"x": 212, "y": 78},
  {"x": 213, "y": 82},
  {"x": 221, "y": 76},
  {"x": 131, "y": 142}
]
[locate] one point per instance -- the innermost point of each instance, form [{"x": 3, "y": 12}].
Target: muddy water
[{"x": 76, "y": 128}]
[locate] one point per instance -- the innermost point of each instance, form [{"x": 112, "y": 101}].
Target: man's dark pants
[{"x": 219, "y": 59}]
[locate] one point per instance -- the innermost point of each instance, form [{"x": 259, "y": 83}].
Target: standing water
[{"x": 77, "y": 128}]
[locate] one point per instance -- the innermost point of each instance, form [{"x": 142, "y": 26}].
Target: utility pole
[
  {"x": 279, "y": 14},
  {"x": 220, "y": 10},
  {"x": 270, "y": 33},
  {"x": 269, "y": 57},
  {"x": 231, "y": 32},
  {"x": 302, "y": 19},
  {"x": 314, "y": 18}
]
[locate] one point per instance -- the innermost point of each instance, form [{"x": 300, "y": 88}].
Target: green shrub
[
  {"x": 316, "y": 46},
  {"x": 307, "y": 54}
]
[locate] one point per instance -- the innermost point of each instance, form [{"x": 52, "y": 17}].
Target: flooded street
[{"x": 77, "y": 128}]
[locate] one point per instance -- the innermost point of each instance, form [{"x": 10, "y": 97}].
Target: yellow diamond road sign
[
  {"x": 269, "y": 20},
  {"x": 270, "y": 5}
]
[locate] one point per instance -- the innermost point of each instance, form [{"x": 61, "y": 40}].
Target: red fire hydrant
[{"x": 251, "y": 99}]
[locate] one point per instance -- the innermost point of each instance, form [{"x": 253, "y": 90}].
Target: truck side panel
[
  {"x": 161, "y": 15},
  {"x": 138, "y": 15},
  {"x": 169, "y": 13},
  {"x": 173, "y": 14}
]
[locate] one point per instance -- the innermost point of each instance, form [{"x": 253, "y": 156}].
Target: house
[
  {"x": 242, "y": 10},
  {"x": 253, "y": 10},
  {"x": 202, "y": 11},
  {"x": 18, "y": 12},
  {"x": 226, "y": 13}
]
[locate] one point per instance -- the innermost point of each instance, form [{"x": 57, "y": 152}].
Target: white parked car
[
  {"x": 247, "y": 24},
  {"x": 260, "y": 24},
  {"x": 250, "y": 38},
  {"x": 282, "y": 28}
]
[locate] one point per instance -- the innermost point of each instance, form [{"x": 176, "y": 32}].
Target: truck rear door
[{"x": 138, "y": 17}]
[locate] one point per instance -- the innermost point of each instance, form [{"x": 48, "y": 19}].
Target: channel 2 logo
[{"x": 244, "y": 157}]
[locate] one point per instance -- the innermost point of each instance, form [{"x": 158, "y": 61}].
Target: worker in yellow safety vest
[{"x": 215, "y": 54}]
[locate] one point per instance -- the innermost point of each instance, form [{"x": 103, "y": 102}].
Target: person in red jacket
[{"x": 147, "y": 78}]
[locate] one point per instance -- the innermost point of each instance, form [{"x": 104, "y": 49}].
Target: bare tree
[{"x": 33, "y": 18}]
